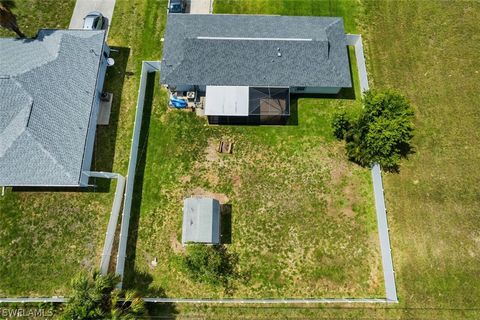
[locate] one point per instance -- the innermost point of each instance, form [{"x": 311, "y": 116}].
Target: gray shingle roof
[
  {"x": 47, "y": 89},
  {"x": 242, "y": 50},
  {"x": 201, "y": 220}
]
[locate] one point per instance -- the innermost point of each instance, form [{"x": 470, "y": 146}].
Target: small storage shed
[{"x": 201, "y": 220}]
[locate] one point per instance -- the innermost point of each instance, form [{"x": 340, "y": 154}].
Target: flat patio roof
[
  {"x": 226, "y": 101},
  {"x": 243, "y": 101}
]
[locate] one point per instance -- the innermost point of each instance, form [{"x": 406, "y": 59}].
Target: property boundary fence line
[
  {"x": 267, "y": 301},
  {"x": 390, "y": 288},
  {"x": 147, "y": 67},
  {"x": 212, "y": 301},
  {"x": 355, "y": 40},
  {"x": 112, "y": 222},
  {"x": 380, "y": 208},
  {"x": 34, "y": 300}
]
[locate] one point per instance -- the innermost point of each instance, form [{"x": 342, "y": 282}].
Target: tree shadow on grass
[{"x": 142, "y": 285}]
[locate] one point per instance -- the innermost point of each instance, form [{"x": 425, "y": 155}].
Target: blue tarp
[{"x": 178, "y": 103}]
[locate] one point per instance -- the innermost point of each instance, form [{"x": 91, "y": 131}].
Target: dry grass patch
[{"x": 302, "y": 222}]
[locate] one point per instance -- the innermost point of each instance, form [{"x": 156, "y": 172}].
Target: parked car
[
  {"x": 177, "y": 6},
  {"x": 94, "y": 21}
]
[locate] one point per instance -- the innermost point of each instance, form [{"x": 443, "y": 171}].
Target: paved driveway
[
  {"x": 200, "y": 6},
  {"x": 82, "y": 7}
]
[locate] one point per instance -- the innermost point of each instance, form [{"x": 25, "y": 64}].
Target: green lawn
[
  {"x": 429, "y": 51},
  {"x": 297, "y": 204},
  {"x": 348, "y": 9},
  {"x": 302, "y": 221},
  {"x": 35, "y": 14},
  {"x": 426, "y": 49},
  {"x": 48, "y": 236}
]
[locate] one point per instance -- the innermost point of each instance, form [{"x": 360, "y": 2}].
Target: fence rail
[
  {"x": 380, "y": 208},
  {"x": 391, "y": 293},
  {"x": 112, "y": 222},
  {"x": 147, "y": 67}
]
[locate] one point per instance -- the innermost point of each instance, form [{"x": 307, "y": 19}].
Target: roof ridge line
[
  {"x": 2, "y": 153},
  {"x": 49, "y": 155},
  {"x": 252, "y": 38},
  {"x": 51, "y": 39},
  {"x": 327, "y": 28},
  {"x": 19, "y": 112}
]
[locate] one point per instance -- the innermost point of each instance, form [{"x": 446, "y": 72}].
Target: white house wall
[{"x": 92, "y": 127}]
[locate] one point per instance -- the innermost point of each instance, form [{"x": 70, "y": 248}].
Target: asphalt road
[{"x": 82, "y": 7}]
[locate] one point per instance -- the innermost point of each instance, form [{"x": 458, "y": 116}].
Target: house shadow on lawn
[{"x": 106, "y": 136}]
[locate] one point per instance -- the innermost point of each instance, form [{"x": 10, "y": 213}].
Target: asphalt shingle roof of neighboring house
[
  {"x": 47, "y": 89},
  {"x": 255, "y": 50}
]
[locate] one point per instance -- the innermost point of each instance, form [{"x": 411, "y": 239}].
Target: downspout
[{"x": 112, "y": 223}]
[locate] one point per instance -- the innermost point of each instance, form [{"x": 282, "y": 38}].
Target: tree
[
  {"x": 95, "y": 297},
  {"x": 382, "y": 132},
  {"x": 8, "y": 19},
  {"x": 209, "y": 264}
]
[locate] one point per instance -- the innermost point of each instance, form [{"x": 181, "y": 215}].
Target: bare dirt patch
[
  {"x": 212, "y": 178},
  {"x": 211, "y": 150},
  {"x": 176, "y": 245},
  {"x": 185, "y": 179},
  {"x": 222, "y": 198},
  {"x": 351, "y": 196}
]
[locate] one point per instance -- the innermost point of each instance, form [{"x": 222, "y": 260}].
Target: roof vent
[{"x": 279, "y": 54}]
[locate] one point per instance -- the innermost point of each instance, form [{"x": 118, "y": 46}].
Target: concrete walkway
[
  {"x": 201, "y": 6},
  {"x": 382, "y": 223},
  {"x": 82, "y": 7}
]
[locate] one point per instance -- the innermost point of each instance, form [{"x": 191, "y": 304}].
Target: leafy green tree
[
  {"x": 382, "y": 132},
  {"x": 95, "y": 297},
  {"x": 209, "y": 264}
]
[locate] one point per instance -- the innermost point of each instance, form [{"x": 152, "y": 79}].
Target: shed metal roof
[
  {"x": 254, "y": 50},
  {"x": 201, "y": 220},
  {"x": 47, "y": 89}
]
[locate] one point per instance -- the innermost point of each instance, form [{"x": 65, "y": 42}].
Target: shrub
[
  {"x": 383, "y": 131},
  {"x": 340, "y": 125},
  {"x": 209, "y": 264}
]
